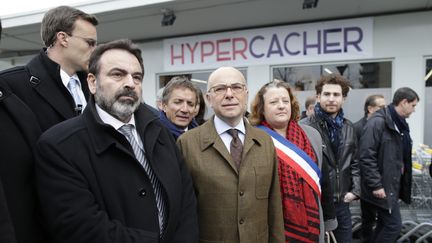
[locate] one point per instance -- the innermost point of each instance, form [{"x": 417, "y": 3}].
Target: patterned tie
[
  {"x": 236, "y": 147},
  {"x": 73, "y": 86},
  {"x": 157, "y": 187}
]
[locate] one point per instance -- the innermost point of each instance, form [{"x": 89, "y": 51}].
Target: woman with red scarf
[{"x": 308, "y": 211}]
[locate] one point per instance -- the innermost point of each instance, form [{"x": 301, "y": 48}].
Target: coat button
[
  {"x": 142, "y": 192},
  {"x": 241, "y": 193},
  {"x": 241, "y": 221}
]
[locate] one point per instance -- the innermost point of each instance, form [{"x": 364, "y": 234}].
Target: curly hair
[
  {"x": 257, "y": 106},
  {"x": 333, "y": 79}
]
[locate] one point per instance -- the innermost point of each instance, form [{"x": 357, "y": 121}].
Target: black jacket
[
  {"x": 19, "y": 215},
  {"x": 344, "y": 173},
  {"x": 358, "y": 127},
  {"x": 92, "y": 189},
  {"x": 380, "y": 158},
  {"x": 39, "y": 85}
]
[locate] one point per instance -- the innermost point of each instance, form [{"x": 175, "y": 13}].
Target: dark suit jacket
[
  {"x": 19, "y": 218},
  {"x": 39, "y": 85},
  {"x": 92, "y": 189}
]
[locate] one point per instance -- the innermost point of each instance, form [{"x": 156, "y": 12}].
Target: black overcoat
[
  {"x": 38, "y": 84},
  {"x": 19, "y": 216},
  {"x": 92, "y": 188},
  {"x": 381, "y": 162}
]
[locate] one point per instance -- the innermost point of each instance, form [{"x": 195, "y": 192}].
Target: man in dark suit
[
  {"x": 114, "y": 173},
  {"x": 372, "y": 104},
  {"x": 19, "y": 218},
  {"x": 53, "y": 84}
]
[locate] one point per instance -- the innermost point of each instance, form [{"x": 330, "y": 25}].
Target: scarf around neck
[
  {"x": 175, "y": 131},
  {"x": 404, "y": 130},
  {"x": 334, "y": 125}
]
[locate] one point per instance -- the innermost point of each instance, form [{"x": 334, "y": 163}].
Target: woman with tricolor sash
[{"x": 306, "y": 195}]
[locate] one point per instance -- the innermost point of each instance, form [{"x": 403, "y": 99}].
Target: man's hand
[
  {"x": 380, "y": 193},
  {"x": 349, "y": 197}
]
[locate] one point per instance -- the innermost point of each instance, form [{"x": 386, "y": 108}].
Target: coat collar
[
  {"x": 46, "y": 81},
  {"x": 104, "y": 136},
  {"x": 210, "y": 137}
]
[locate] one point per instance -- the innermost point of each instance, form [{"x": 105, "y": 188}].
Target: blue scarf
[
  {"x": 334, "y": 125},
  {"x": 175, "y": 131}
]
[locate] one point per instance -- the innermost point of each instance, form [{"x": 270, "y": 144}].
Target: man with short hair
[
  {"x": 234, "y": 168},
  {"x": 386, "y": 166},
  {"x": 372, "y": 104},
  {"x": 179, "y": 100},
  {"x": 53, "y": 84},
  {"x": 339, "y": 148},
  {"x": 114, "y": 174}
]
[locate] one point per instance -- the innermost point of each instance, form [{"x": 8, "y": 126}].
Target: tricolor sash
[{"x": 296, "y": 158}]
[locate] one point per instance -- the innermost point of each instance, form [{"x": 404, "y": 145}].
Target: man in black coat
[
  {"x": 386, "y": 166},
  {"x": 339, "y": 149},
  {"x": 372, "y": 104},
  {"x": 53, "y": 84},
  {"x": 99, "y": 183},
  {"x": 19, "y": 217}
]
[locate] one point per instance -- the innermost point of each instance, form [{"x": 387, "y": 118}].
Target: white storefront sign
[{"x": 315, "y": 42}]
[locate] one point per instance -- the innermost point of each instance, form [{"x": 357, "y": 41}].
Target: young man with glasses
[
  {"x": 234, "y": 168},
  {"x": 32, "y": 99},
  {"x": 53, "y": 84}
]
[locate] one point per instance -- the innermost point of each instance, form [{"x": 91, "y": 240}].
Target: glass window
[
  {"x": 366, "y": 78},
  {"x": 428, "y": 103},
  {"x": 361, "y": 75}
]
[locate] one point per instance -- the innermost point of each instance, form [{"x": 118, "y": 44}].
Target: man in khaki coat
[{"x": 235, "y": 176}]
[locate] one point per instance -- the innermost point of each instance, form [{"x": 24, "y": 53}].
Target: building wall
[{"x": 405, "y": 39}]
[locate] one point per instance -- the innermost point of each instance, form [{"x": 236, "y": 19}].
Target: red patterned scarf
[{"x": 300, "y": 202}]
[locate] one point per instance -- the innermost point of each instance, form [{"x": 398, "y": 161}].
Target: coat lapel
[{"x": 210, "y": 137}]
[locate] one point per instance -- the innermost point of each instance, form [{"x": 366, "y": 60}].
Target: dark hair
[
  {"x": 309, "y": 101},
  {"x": 177, "y": 82},
  {"x": 123, "y": 44},
  {"x": 332, "y": 79},
  {"x": 257, "y": 106},
  {"x": 199, "y": 118},
  {"x": 62, "y": 18},
  {"x": 404, "y": 93},
  {"x": 371, "y": 101}
]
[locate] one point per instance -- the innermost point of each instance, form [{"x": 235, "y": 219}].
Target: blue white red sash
[{"x": 296, "y": 158}]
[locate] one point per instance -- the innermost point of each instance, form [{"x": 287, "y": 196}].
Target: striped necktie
[{"x": 126, "y": 130}]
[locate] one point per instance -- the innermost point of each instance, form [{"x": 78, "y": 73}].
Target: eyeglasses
[
  {"x": 222, "y": 88},
  {"x": 91, "y": 42}
]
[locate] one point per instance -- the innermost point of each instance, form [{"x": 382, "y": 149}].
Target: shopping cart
[{"x": 417, "y": 217}]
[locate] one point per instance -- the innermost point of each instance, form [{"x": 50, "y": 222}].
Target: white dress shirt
[
  {"x": 222, "y": 127},
  {"x": 65, "y": 80}
]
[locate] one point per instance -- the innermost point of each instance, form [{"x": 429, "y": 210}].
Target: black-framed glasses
[
  {"x": 222, "y": 88},
  {"x": 90, "y": 42}
]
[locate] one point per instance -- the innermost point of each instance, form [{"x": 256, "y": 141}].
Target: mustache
[{"x": 128, "y": 93}]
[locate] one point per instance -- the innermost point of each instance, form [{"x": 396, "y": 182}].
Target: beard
[{"x": 120, "y": 109}]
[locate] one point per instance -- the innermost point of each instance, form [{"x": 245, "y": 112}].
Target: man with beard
[
  {"x": 114, "y": 173},
  {"x": 339, "y": 149}
]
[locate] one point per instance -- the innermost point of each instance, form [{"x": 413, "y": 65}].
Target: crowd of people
[{"x": 84, "y": 159}]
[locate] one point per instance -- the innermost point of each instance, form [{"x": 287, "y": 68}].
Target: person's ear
[{"x": 91, "y": 81}]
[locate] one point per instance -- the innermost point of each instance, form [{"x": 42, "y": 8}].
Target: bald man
[{"x": 234, "y": 168}]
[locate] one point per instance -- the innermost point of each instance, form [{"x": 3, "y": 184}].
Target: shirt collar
[
  {"x": 65, "y": 78},
  {"x": 222, "y": 127},
  {"x": 110, "y": 120}
]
